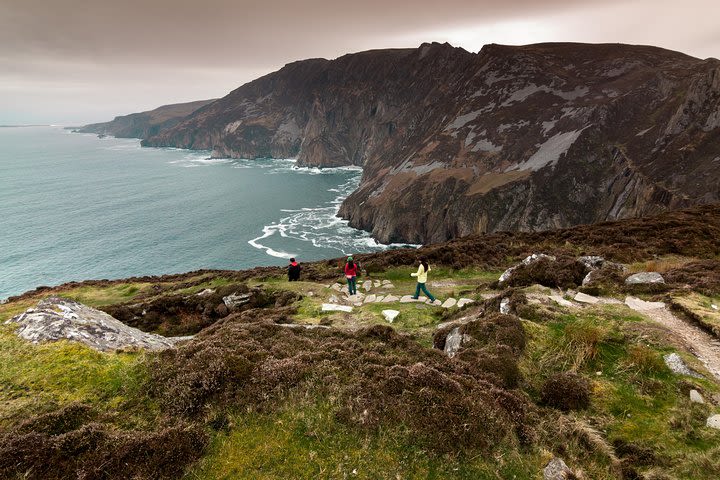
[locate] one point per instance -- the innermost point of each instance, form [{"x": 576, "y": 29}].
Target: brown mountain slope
[{"x": 512, "y": 138}]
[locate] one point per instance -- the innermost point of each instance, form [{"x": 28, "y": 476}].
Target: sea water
[{"x": 76, "y": 207}]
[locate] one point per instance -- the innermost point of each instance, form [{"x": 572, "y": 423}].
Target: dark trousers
[
  {"x": 421, "y": 286},
  {"x": 352, "y": 286}
]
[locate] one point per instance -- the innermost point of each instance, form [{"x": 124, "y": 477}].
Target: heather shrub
[{"x": 566, "y": 391}]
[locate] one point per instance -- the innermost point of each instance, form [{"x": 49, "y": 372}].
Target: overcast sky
[{"x": 82, "y": 61}]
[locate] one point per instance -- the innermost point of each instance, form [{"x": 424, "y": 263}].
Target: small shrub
[
  {"x": 645, "y": 360},
  {"x": 566, "y": 391}
]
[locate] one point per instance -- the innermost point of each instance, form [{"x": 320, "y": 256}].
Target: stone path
[
  {"x": 705, "y": 347},
  {"x": 361, "y": 298}
]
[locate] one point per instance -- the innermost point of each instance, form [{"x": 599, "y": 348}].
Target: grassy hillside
[{"x": 356, "y": 397}]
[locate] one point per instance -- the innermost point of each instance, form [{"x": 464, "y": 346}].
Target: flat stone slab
[
  {"x": 370, "y": 298},
  {"x": 585, "y": 298},
  {"x": 379, "y": 298},
  {"x": 61, "y": 319},
  {"x": 386, "y": 282},
  {"x": 337, "y": 287},
  {"x": 410, "y": 299},
  {"x": 644, "y": 278},
  {"x": 377, "y": 283},
  {"x": 390, "y": 315},
  {"x": 436, "y": 303},
  {"x": 367, "y": 285},
  {"x": 391, "y": 298},
  {"x": 561, "y": 301},
  {"x": 642, "y": 305},
  {"x": 449, "y": 303},
  {"x": 331, "y": 307},
  {"x": 388, "y": 285},
  {"x": 464, "y": 301}
]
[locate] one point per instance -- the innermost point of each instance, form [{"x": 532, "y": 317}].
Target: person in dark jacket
[
  {"x": 293, "y": 271},
  {"x": 351, "y": 270}
]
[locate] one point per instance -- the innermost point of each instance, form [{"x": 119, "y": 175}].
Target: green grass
[
  {"x": 35, "y": 378},
  {"x": 308, "y": 443},
  {"x": 99, "y": 296}
]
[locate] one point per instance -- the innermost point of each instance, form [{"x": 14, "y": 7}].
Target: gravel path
[{"x": 705, "y": 347}]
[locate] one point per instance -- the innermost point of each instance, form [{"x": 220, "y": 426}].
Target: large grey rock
[
  {"x": 61, "y": 319},
  {"x": 236, "y": 300},
  {"x": 677, "y": 365},
  {"x": 535, "y": 257},
  {"x": 644, "y": 278},
  {"x": 453, "y": 342},
  {"x": 557, "y": 470},
  {"x": 592, "y": 261}
]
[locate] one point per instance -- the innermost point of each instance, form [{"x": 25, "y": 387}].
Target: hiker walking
[
  {"x": 421, "y": 275},
  {"x": 293, "y": 271},
  {"x": 351, "y": 269}
]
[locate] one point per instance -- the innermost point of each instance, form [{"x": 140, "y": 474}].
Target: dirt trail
[{"x": 702, "y": 345}]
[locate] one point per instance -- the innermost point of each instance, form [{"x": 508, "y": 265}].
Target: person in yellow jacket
[{"x": 421, "y": 275}]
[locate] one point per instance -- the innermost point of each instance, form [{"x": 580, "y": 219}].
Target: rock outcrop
[
  {"x": 511, "y": 138},
  {"x": 61, "y": 319},
  {"x": 145, "y": 124}
]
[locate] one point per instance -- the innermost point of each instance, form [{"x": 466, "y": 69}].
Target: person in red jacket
[
  {"x": 293, "y": 271},
  {"x": 351, "y": 269}
]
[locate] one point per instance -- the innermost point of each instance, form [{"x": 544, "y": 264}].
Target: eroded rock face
[
  {"x": 511, "y": 138},
  {"x": 60, "y": 319}
]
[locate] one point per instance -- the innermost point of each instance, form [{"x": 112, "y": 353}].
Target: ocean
[{"x": 77, "y": 207}]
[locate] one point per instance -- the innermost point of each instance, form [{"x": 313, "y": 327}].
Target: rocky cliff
[
  {"x": 145, "y": 124},
  {"x": 511, "y": 138}
]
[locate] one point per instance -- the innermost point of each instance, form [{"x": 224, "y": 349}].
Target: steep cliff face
[
  {"x": 145, "y": 124},
  {"x": 512, "y": 138}
]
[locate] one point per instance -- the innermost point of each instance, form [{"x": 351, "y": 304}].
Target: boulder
[
  {"x": 557, "y": 470},
  {"x": 453, "y": 342},
  {"x": 236, "y": 300},
  {"x": 714, "y": 421},
  {"x": 644, "y": 278},
  {"x": 695, "y": 397},
  {"x": 390, "y": 315},
  {"x": 61, "y": 319},
  {"x": 592, "y": 261}
]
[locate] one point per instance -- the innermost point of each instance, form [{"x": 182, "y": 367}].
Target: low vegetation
[{"x": 256, "y": 394}]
